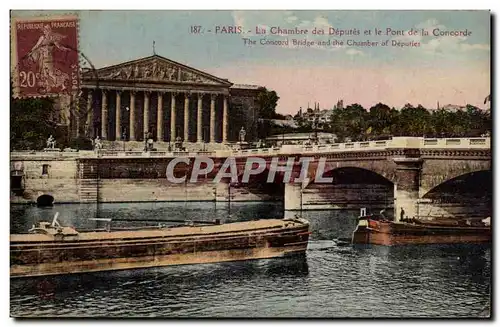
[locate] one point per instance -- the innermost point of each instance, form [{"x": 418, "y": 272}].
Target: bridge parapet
[{"x": 394, "y": 143}]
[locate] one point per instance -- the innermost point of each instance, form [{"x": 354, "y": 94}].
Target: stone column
[
  {"x": 104, "y": 115},
  {"x": 293, "y": 196},
  {"x": 76, "y": 114},
  {"x": 212, "y": 117},
  {"x": 172, "y": 118},
  {"x": 159, "y": 118},
  {"x": 77, "y": 123},
  {"x": 132, "y": 116},
  {"x": 406, "y": 187},
  {"x": 145, "y": 123},
  {"x": 199, "y": 119},
  {"x": 221, "y": 192},
  {"x": 118, "y": 116},
  {"x": 224, "y": 120},
  {"x": 90, "y": 116},
  {"x": 186, "y": 116}
]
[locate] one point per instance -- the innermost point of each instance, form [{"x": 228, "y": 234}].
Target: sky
[{"x": 444, "y": 69}]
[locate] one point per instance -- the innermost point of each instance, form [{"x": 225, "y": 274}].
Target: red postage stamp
[{"x": 44, "y": 56}]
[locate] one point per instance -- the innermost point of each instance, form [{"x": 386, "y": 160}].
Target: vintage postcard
[{"x": 250, "y": 164}]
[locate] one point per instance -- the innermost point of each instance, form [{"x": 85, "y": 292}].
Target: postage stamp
[{"x": 44, "y": 55}]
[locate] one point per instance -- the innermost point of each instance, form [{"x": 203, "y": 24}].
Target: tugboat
[
  {"x": 51, "y": 249},
  {"x": 377, "y": 229}
]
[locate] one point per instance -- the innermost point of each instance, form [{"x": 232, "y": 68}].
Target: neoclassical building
[{"x": 156, "y": 95}]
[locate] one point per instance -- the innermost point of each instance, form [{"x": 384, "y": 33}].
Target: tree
[
  {"x": 441, "y": 120},
  {"x": 479, "y": 121},
  {"x": 350, "y": 122},
  {"x": 267, "y": 100},
  {"x": 414, "y": 121},
  {"x": 31, "y": 123},
  {"x": 382, "y": 119}
]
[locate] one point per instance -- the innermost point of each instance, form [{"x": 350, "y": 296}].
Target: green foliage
[
  {"x": 351, "y": 122},
  {"x": 383, "y": 119},
  {"x": 268, "y": 100},
  {"x": 81, "y": 143},
  {"x": 381, "y": 122},
  {"x": 30, "y": 123},
  {"x": 413, "y": 121}
]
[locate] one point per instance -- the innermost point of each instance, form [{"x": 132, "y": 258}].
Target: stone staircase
[{"x": 88, "y": 183}]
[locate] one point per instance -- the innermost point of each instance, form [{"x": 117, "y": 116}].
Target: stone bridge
[{"x": 404, "y": 172}]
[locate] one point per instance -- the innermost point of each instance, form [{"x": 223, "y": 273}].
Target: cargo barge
[
  {"x": 50, "y": 249},
  {"x": 376, "y": 230}
]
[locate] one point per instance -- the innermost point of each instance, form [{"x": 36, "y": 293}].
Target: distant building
[
  {"x": 452, "y": 107},
  {"x": 315, "y": 115},
  {"x": 339, "y": 105},
  {"x": 456, "y": 107},
  {"x": 300, "y": 138},
  {"x": 283, "y": 122}
]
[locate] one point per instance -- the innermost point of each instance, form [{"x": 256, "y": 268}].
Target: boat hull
[
  {"x": 143, "y": 251},
  {"x": 392, "y": 233}
]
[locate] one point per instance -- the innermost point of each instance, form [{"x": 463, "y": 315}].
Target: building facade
[{"x": 164, "y": 99}]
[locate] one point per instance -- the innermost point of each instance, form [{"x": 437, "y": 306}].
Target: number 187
[{"x": 195, "y": 29}]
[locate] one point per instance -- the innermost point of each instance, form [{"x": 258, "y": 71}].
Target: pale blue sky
[
  {"x": 114, "y": 36},
  {"x": 110, "y": 37}
]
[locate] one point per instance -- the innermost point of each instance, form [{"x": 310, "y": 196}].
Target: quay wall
[
  {"x": 159, "y": 189},
  {"x": 347, "y": 196},
  {"x": 52, "y": 176},
  {"x": 63, "y": 179},
  {"x": 71, "y": 179}
]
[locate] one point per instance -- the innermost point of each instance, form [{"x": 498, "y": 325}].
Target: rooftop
[{"x": 246, "y": 86}]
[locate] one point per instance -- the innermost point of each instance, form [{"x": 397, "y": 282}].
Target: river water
[{"x": 331, "y": 281}]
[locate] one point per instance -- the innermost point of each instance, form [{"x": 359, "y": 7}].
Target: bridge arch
[
  {"x": 476, "y": 182},
  {"x": 382, "y": 167},
  {"x": 354, "y": 175},
  {"x": 468, "y": 195},
  {"x": 45, "y": 200},
  {"x": 437, "y": 172},
  {"x": 351, "y": 188},
  {"x": 257, "y": 187}
]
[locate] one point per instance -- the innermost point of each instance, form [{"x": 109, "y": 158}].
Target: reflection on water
[{"x": 331, "y": 281}]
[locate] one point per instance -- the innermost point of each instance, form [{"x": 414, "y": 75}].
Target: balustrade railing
[
  {"x": 400, "y": 142},
  {"x": 477, "y": 141},
  {"x": 453, "y": 141},
  {"x": 430, "y": 142}
]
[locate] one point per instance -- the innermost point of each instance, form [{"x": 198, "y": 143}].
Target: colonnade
[{"x": 162, "y": 97}]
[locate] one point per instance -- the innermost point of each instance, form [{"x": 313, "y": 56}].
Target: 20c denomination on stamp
[{"x": 44, "y": 56}]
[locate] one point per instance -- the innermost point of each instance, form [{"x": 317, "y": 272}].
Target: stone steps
[
  {"x": 88, "y": 184},
  {"x": 88, "y": 190}
]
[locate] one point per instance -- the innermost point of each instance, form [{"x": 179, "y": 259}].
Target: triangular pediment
[{"x": 155, "y": 69}]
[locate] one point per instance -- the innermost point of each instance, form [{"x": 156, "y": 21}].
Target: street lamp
[
  {"x": 205, "y": 137},
  {"x": 124, "y": 132},
  {"x": 315, "y": 129},
  {"x": 124, "y": 137}
]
